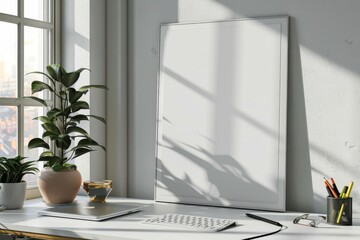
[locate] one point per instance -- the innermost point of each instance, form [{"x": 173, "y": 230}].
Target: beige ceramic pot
[{"x": 59, "y": 187}]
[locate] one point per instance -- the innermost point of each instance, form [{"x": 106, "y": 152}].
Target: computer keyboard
[{"x": 192, "y": 222}]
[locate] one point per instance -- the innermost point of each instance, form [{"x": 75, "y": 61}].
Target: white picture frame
[{"x": 221, "y": 127}]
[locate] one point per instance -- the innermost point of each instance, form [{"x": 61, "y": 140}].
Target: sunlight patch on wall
[{"x": 190, "y": 10}]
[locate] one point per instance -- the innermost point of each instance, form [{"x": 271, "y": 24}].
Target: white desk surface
[{"x": 130, "y": 226}]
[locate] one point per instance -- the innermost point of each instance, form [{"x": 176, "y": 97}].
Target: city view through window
[
  {"x": 33, "y": 61},
  {"x": 25, "y": 47}
]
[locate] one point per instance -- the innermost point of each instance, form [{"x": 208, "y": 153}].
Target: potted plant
[
  {"x": 12, "y": 186},
  {"x": 60, "y": 181}
]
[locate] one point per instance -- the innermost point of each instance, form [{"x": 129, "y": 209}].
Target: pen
[
  {"x": 331, "y": 189},
  {"x": 328, "y": 190},
  {"x": 343, "y": 192},
  {"x": 263, "y": 219},
  {"x": 335, "y": 187},
  {"x": 349, "y": 189},
  {"x": 336, "y": 215},
  {"x": 347, "y": 194}
]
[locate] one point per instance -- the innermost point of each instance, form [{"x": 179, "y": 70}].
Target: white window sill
[{"x": 32, "y": 192}]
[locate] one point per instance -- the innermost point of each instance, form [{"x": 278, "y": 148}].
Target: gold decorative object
[{"x": 97, "y": 190}]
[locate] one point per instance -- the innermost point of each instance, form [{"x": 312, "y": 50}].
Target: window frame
[{"x": 51, "y": 55}]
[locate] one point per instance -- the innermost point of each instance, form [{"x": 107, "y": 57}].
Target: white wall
[
  {"x": 83, "y": 45},
  {"x": 95, "y": 36},
  {"x": 144, "y": 19},
  {"x": 323, "y": 92},
  {"x": 116, "y": 105}
]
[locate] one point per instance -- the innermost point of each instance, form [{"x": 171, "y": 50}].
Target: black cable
[
  {"x": 282, "y": 227},
  {"x": 264, "y": 219},
  {"x": 266, "y": 234}
]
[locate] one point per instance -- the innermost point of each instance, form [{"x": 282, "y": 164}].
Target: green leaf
[
  {"x": 51, "y": 135},
  {"x": 12, "y": 170},
  {"x": 87, "y": 87},
  {"x": 38, "y": 100},
  {"x": 47, "y": 154},
  {"x": 79, "y": 118},
  {"x": 82, "y": 69},
  {"x": 67, "y": 111},
  {"x": 63, "y": 142},
  {"x": 98, "y": 118},
  {"x": 37, "y": 143},
  {"x": 54, "y": 113},
  {"x": 63, "y": 167},
  {"x": 48, "y": 76},
  {"x": 74, "y": 95},
  {"x": 70, "y": 123},
  {"x": 81, "y": 151},
  {"x": 58, "y": 167},
  {"x": 51, "y": 159},
  {"x": 78, "y": 106},
  {"x": 42, "y": 119},
  {"x": 88, "y": 142},
  {"x": 78, "y": 130},
  {"x": 70, "y": 166},
  {"x": 51, "y": 127},
  {"x": 37, "y": 86},
  {"x": 64, "y": 137},
  {"x": 71, "y": 78},
  {"x": 55, "y": 71}
]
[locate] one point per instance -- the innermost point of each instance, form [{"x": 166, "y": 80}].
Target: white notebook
[{"x": 90, "y": 211}]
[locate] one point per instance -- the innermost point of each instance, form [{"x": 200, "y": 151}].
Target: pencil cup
[{"x": 339, "y": 211}]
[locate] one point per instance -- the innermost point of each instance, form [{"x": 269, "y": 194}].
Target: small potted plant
[
  {"x": 12, "y": 186},
  {"x": 60, "y": 181}
]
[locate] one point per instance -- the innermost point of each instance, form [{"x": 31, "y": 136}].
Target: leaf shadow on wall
[{"x": 227, "y": 180}]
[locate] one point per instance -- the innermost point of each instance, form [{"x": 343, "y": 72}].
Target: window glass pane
[
  {"x": 36, "y": 9},
  {"x": 35, "y": 57},
  {"x": 8, "y": 6},
  {"x": 8, "y": 60},
  {"x": 31, "y": 179},
  {"x": 8, "y": 131},
  {"x": 32, "y": 129}
]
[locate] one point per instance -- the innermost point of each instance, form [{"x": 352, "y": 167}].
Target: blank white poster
[{"x": 221, "y": 133}]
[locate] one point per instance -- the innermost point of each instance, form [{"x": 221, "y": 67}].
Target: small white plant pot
[{"x": 12, "y": 195}]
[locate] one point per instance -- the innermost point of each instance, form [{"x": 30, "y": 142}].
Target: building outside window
[{"x": 27, "y": 43}]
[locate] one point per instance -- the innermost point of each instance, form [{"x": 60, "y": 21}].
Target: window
[{"x": 27, "y": 44}]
